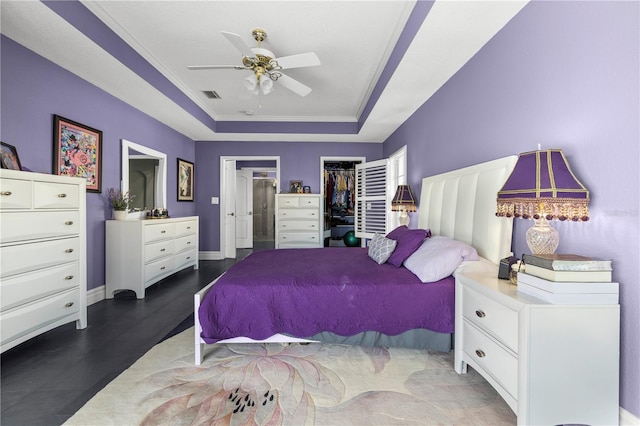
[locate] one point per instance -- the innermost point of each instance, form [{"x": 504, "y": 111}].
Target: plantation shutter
[{"x": 372, "y": 199}]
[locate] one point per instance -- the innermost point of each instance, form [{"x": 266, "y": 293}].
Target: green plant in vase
[{"x": 119, "y": 202}]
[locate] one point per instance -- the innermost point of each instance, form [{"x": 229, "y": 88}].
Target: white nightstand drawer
[
  {"x": 15, "y": 194},
  {"x": 161, "y": 231},
  {"x": 298, "y": 214},
  {"x": 298, "y": 237},
  {"x": 26, "y": 288},
  {"x": 49, "y": 195},
  {"x": 27, "y": 318},
  {"x": 158, "y": 250},
  {"x": 185, "y": 243},
  {"x": 22, "y": 226},
  {"x": 30, "y": 257},
  {"x": 186, "y": 228},
  {"x": 298, "y": 225},
  {"x": 498, "y": 320},
  {"x": 493, "y": 358},
  {"x": 157, "y": 269}
]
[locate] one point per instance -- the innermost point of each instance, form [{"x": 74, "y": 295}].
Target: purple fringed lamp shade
[
  {"x": 403, "y": 200},
  {"x": 542, "y": 185}
]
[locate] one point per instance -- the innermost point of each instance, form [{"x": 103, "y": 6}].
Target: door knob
[{"x": 231, "y": 214}]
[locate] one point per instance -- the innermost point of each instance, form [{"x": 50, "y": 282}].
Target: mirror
[{"x": 144, "y": 172}]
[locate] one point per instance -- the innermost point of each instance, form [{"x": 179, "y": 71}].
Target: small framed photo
[
  {"x": 306, "y": 190},
  {"x": 295, "y": 187},
  {"x": 77, "y": 152},
  {"x": 185, "y": 180},
  {"x": 9, "y": 156}
]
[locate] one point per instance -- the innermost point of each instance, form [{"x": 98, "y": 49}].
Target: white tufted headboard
[{"x": 461, "y": 204}]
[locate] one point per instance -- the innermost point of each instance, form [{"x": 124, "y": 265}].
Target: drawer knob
[
  {"x": 163, "y": 232},
  {"x": 162, "y": 269},
  {"x": 163, "y": 249},
  {"x": 188, "y": 257},
  {"x": 68, "y": 305},
  {"x": 69, "y": 222},
  {"x": 62, "y": 195},
  {"x": 6, "y": 193},
  {"x": 480, "y": 313},
  {"x": 68, "y": 251},
  {"x": 68, "y": 277},
  {"x": 188, "y": 242},
  {"x": 480, "y": 353}
]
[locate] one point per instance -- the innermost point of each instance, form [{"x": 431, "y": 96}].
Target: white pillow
[
  {"x": 381, "y": 248},
  {"x": 438, "y": 257}
]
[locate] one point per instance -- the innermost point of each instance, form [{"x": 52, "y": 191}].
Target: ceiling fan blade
[
  {"x": 217, "y": 67},
  {"x": 309, "y": 59},
  {"x": 294, "y": 85},
  {"x": 238, "y": 43}
]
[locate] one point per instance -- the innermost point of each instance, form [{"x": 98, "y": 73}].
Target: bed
[{"x": 340, "y": 295}]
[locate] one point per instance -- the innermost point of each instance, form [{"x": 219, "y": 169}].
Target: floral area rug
[{"x": 274, "y": 384}]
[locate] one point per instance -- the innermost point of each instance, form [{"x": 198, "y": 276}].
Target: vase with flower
[{"x": 120, "y": 203}]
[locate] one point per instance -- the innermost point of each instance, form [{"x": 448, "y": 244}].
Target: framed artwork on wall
[
  {"x": 185, "y": 180},
  {"x": 77, "y": 152},
  {"x": 9, "y": 157}
]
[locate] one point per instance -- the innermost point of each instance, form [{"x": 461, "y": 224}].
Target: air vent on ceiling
[{"x": 211, "y": 94}]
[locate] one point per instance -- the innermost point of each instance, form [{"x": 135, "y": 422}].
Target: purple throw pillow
[{"x": 409, "y": 240}]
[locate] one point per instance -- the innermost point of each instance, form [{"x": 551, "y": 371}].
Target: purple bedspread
[{"x": 301, "y": 292}]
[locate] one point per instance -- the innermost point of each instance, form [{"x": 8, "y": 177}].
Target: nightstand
[{"x": 552, "y": 363}]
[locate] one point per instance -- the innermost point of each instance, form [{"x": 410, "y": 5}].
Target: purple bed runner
[{"x": 301, "y": 292}]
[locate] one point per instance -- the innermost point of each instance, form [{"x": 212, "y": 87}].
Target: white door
[
  {"x": 244, "y": 209},
  {"x": 229, "y": 209}
]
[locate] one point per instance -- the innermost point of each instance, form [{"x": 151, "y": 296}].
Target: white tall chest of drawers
[
  {"x": 552, "y": 363},
  {"x": 43, "y": 276},
  {"x": 298, "y": 221},
  {"x": 140, "y": 253}
]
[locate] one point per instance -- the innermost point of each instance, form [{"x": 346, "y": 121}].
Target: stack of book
[{"x": 568, "y": 279}]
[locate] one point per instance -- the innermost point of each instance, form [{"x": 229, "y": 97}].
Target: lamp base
[
  {"x": 542, "y": 238},
  {"x": 404, "y": 218}
]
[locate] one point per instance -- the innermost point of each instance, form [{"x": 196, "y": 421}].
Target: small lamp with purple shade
[
  {"x": 542, "y": 187},
  {"x": 403, "y": 202}
]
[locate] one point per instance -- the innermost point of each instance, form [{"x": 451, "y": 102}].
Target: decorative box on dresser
[
  {"x": 553, "y": 364},
  {"x": 142, "y": 252},
  {"x": 43, "y": 275},
  {"x": 298, "y": 221}
]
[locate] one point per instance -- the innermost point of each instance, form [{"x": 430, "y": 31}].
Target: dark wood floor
[{"x": 48, "y": 378}]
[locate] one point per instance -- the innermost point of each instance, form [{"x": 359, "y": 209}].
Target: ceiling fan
[{"x": 265, "y": 66}]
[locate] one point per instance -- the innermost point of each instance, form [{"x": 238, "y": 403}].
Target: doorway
[{"x": 257, "y": 208}]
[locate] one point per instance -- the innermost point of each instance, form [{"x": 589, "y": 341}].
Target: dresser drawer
[
  {"x": 158, "y": 250},
  {"x": 29, "y": 257},
  {"x": 288, "y": 202},
  {"x": 26, "y": 226},
  {"x": 25, "y": 288},
  {"x": 17, "y": 322},
  {"x": 496, "y": 319},
  {"x": 309, "y": 202},
  {"x": 49, "y": 195},
  {"x": 298, "y": 214},
  {"x": 15, "y": 194},
  {"x": 298, "y": 225},
  {"x": 186, "y": 228},
  {"x": 157, "y": 269},
  {"x": 185, "y": 243},
  {"x": 185, "y": 258},
  {"x": 493, "y": 358},
  {"x": 298, "y": 237},
  {"x": 161, "y": 231}
]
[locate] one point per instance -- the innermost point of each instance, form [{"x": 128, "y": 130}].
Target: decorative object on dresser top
[
  {"x": 43, "y": 277},
  {"x": 140, "y": 253},
  {"x": 552, "y": 363},
  {"x": 403, "y": 201},
  {"x": 341, "y": 295},
  {"x": 9, "y": 158},
  {"x": 119, "y": 202},
  {"x": 542, "y": 187},
  {"x": 567, "y": 262}
]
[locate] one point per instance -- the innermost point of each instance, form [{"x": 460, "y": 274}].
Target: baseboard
[
  {"x": 628, "y": 419},
  {"x": 210, "y": 255},
  {"x": 95, "y": 295}
]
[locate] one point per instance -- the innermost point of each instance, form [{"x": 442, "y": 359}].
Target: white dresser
[
  {"x": 552, "y": 364},
  {"x": 298, "y": 221},
  {"x": 140, "y": 253},
  {"x": 43, "y": 276}
]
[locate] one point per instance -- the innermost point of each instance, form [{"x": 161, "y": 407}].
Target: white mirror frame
[{"x": 161, "y": 177}]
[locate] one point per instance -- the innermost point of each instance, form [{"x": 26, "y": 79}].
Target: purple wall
[
  {"x": 33, "y": 89},
  {"x": 298, "y": 161},
  {"x": 563, "y": 75}
]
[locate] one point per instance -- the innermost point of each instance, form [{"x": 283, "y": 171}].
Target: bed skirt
[{"x": 417, "y": 339}]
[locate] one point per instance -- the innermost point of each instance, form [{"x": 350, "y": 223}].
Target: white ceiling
[{"x": 353, "y": 39}]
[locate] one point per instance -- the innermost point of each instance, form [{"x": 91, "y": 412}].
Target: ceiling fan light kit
[{"x": 264, "y": 64}]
